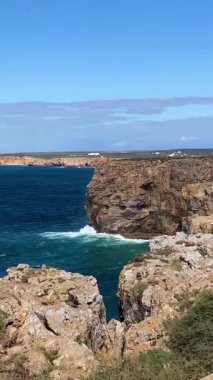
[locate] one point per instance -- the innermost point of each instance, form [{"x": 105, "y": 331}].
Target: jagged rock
[
  {"x": 196, "y": 224},
  {"x": 112, "y": 350},
  {"x": 52, "y": 311},
  {"x": 143, "y": 336},
  {"x": 167, "y": 244},
  {"x": 75, "y": 361},
  {"x": 162, "y": 285},
  {"x": 55, "y": 321},
  {"x": 145, "y": 198}
]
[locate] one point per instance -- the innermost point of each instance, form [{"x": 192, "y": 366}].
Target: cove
[{"x": 43, "y": 221}]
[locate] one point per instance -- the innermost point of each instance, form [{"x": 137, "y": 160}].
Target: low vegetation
[
  {"x": 176, "y": 265},
  {"x": 189, "y": 355},
  {"x": 14, "y": 369},
  {"x": 2, "y": 325},
  {"x": 191, "y": 337}
]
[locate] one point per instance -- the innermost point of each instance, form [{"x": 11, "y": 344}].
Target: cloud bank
[{"x": 125, "y": 124}]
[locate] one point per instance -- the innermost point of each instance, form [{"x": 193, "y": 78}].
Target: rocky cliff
[
  {"x": 143, "y": 198},
  {"x": 161, "y": 286},
  {"x": 53, "y": 326},
  {"x": 51, "y": 322},
  {"x": 67, "y": 161}
]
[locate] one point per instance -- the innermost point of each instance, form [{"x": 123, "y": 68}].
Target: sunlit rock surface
[{"x": 145, "y": 198}]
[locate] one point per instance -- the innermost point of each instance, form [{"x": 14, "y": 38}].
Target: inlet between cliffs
[{"x": 43, "y": 221}]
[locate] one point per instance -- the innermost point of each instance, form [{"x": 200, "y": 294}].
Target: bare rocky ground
[{"x": 52, "y": 323}]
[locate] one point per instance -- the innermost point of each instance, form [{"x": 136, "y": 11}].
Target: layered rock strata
[{"x": 146, "y": 198}]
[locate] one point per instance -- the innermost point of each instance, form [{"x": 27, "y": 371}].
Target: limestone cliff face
[
  {"x": 77, "y": 161},
  {"x": 142, "y": 198},
  {"x": 161, "y": 285}
]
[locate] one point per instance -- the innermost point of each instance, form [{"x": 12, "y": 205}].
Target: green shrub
[
  {"x": 139, "y": 288},
  {"x": 186, "y": 300},
  {"x": 190, "y": 355},
  {"x": 15, "y": 367},
  {"x": 192, "y": 335},
  {"x": 176, "y": 265},
  {"x": 153, "y": 365},
  {"x": 2, "y": 325}
]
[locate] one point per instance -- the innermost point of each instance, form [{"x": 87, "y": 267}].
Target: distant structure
[
  {"x": 93, "y": 154},
  {"x": 176, "y": 154}
]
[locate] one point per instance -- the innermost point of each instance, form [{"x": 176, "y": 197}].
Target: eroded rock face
[
  {"x": 145, "y": 198},
  {"x": 53, "y": 318},
  {"x": 54, "y": 161},
  {"x": 113, "y": 347},
  {"x": 161, "y": 285},
  {"x": 54, "y": 321}
]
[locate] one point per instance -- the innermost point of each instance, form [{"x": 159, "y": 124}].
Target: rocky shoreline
[
  {"x": 54, "y": 161},
  {"x": 54, "y": 322},
  {"x": 142, "y": 198}
]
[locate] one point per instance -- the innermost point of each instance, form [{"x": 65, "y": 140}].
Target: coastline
[
  {"x": 63, "y": 313},
  {"x": 14, "y": 160},
  {"x": 57, "y": 319},
  {"x": 128, "y": 197}
]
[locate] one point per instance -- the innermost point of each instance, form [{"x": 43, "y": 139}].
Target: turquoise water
[{"x": 43, "y": 221}]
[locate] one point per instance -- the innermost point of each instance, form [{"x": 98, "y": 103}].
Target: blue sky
[{"x": 94, "y": 75}]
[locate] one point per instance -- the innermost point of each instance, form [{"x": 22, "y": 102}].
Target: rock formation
[
  {"x": 139, "y": 198},
  {"x": 161, "y": 285},
  {"x": 67, "y": 161},
  {"x": 54, "y": 322},
  {"x": 146, "y": 198}
]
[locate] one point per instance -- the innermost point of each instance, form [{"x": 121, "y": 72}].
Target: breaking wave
[{"x": 89, "y": 233}]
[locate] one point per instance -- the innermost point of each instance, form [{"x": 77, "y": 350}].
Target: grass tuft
[{"x": 189, "y": 355}]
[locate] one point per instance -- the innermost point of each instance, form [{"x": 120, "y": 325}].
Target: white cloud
[{"x": 187, "y": 138}]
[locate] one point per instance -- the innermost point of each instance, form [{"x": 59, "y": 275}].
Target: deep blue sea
[{"x": 43, "y": 221}]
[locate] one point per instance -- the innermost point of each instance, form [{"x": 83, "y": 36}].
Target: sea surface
[{"x": 43, "y": 221}]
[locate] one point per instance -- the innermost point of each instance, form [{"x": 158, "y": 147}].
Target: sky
[{"x": 105, "y": 75}]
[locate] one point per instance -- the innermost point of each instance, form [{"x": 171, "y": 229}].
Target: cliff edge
[
  {"x": 53, "y": 325},
  {"x": 146, "y": 198}
]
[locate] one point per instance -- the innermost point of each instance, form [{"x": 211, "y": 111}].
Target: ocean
[{"x": 43, "y": 221}]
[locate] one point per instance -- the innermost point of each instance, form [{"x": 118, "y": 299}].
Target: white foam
[{"x": 89, "y": 232}]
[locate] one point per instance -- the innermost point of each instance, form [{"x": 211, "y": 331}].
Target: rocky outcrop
[
  {"x": 52, "y": 321},
  {"x": 161, "y": 285},
  {"x": 146, "y": 198},
  {"x": 67, "y": 161}
]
